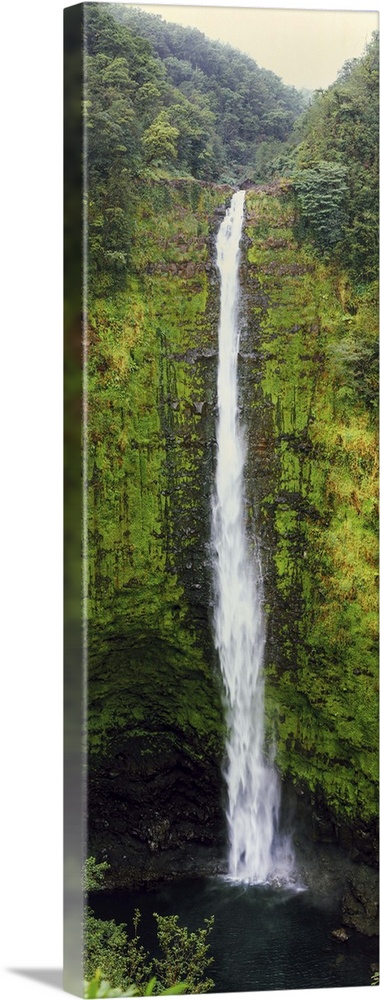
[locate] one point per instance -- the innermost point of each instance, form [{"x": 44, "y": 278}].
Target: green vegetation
[
  {"x": 322, "y": 192},
  {"x": 94, "y": 874},
  {"x": 154, "y": 692},
  {"x": 170, "y": 118},
  {"x": 147, "y": 441},
  {"x": 109, "y": 951},
  {"x": 179, "y": 968},
  {"x": 318, "y": 336},
  {"x": 224, "y": 106},
  {"x": 100, "y": 988},
  {"x": 162, "y": 101},
  {"x": 334, "y": 163}
]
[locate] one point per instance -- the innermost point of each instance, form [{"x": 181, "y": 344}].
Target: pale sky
[{"x": 305, "y": 47}]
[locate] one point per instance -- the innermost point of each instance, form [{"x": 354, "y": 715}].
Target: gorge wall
[
  {"x": 155, "y": 716},
  {"x": 312, "y": 481},
  {"x": 156, "y": 720}
]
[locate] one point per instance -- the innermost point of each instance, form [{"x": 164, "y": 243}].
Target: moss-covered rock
[
  {"x": 312, "y": 480},
  {"x": 154, "y": 690},
  {"x": 155, "y": 713}
]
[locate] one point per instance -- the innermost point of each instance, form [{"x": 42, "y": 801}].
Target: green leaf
[
  {"x": 176, "y": 989},
  {"x": 150, "y": 987}
]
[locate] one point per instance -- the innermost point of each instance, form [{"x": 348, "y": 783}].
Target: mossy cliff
[
  {"x": 155, "y": 717},
  {"x": 312, "y": 486},
  {"x": 156, "y": 722}
]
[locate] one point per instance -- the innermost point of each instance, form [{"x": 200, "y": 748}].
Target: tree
[
  {"x": 160, "y": 140},
  {"x": 322, "y": 195},
  {"x": 341, "y": 128},
  {"x": 194, "y": 126}
]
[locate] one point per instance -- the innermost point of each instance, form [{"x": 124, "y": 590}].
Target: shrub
[{"x": 113, "y": 960}]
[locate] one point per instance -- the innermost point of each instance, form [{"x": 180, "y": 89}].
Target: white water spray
[{"x": 256, "y": 852}]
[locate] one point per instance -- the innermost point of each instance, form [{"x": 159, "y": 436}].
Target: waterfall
[{"x": 256, "y": 853}]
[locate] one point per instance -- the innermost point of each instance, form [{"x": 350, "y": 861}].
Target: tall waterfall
[{"x": 256, "y": 852}]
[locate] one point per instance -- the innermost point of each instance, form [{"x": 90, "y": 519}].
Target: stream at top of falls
[{"x": 257, "y": 852}]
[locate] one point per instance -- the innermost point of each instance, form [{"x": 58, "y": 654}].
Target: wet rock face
[
  {"x": 307, "y": 814},
  {"x": 155, "y": 809},
  {"x": 360, "y": 907}
]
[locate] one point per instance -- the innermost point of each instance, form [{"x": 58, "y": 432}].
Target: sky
[{"x": 305, "y": 47}]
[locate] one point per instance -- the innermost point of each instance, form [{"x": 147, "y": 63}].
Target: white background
[{"x": 31, "y": 496}]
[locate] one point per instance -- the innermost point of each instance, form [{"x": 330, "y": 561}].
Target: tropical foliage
[
  {"x": 229, "y": 105},
  {"x": 109, "y": 952},
  {"x": 100, "y": 988},
  {"x": 160, "y": 100},
  {"x": 160, "y": 97},
  {"x": 337, "y": 166},
  {"x": 183, "y": 956}
]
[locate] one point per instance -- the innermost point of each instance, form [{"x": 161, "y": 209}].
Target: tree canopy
[
  {"x": 242, "y": 104},
  {"x": 337, "y": 165},
  {"x": 160, "y": 97}
]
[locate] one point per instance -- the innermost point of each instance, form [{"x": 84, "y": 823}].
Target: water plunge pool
[{"x": 263, "y": 938}]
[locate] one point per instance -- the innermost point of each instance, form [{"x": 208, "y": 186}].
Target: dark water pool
[{"x": 263, "y": 938}]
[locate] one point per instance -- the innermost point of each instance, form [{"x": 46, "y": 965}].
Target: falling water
[{"x": 256, "y": 852}]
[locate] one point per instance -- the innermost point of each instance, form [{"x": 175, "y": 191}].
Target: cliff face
[
  {"x": 312, "y": 488},
  {"x": 155, "y": 716},
  {"x": 156, "y": 721}
]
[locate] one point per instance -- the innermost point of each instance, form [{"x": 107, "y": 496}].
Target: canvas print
[{"x": 229, "y": 520}]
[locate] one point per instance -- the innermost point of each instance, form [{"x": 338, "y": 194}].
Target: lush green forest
[
  {"x": 174, "y": 123},
  {"x": 164, "y": 101},
  {"x": 247, "y": 106},
  {"x": 335, "y": 167}
]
